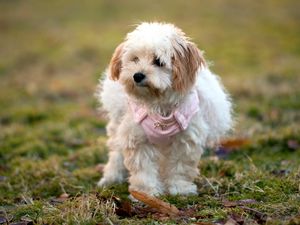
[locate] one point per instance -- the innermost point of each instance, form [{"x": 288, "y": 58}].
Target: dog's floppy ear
[
  {"x": 186, "y": 61},
  {"x": 116, "y": 63}
]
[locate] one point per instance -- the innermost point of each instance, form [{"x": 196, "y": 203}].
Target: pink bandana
[{"x": 160, "y": 129}]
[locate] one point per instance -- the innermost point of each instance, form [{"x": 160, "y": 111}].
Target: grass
[{"x": 52, "y": 138}]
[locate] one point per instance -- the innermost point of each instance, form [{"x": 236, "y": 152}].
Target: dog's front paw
[
  {"x": 105, "y": 181},
  {"x": 150, "y": 190},
  {"x": 182, "y": 187}
]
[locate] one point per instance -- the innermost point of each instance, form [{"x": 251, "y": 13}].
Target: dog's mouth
[
  {"x": 143, "y": 89},
  {"x": 154, "y": 91},
  {"x": 144, "y": 83}
]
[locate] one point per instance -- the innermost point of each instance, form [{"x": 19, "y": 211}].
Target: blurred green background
[
  {"x": 59, "y": 48},
  {"x": 52, "y": 54}
]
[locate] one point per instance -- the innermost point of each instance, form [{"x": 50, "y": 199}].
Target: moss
[{"x": 31, "y": 211}]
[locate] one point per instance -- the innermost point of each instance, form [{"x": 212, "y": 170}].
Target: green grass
[{"x": 51, "y": 136}]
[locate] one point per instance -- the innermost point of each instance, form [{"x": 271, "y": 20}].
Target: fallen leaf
[
  {"x": 234, "y": 143},
  {"x": 229, "y": 145},
  {"x": 156, "y": 203},
  {"x": 64, "y": 196},
  {"x": 293, "y": 144},
  {"x": 123, "y": 208},
  {"x": 100, "y": 167}
]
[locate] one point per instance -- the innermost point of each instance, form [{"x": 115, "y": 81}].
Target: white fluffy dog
[{"x": 164, "y": 106}]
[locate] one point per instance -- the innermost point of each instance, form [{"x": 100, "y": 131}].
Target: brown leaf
[
  {"x": 64, "y": 196},
  {"x": 234, "y": 143},
  {"x": 293, "y": 144},
  {"x": 229, "y": 145},
  {"x": 156, "y": 203},
  {"x": 99, "y": 168},
  {"x": 123, "y": 207}
]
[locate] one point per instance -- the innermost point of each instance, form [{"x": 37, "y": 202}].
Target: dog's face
[{"x": 155, "y": 59}]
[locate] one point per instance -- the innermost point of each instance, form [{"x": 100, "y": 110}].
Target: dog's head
[{"x": 156, "y": 58}]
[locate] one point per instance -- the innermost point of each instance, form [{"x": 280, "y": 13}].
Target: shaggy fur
[{"x": 152, "y": 168}]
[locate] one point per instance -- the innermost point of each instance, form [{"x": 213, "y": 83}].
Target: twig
[{"x": 153, "y": 202}]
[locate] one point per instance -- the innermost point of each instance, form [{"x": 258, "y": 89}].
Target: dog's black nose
[{"x": 138, "y": 77}]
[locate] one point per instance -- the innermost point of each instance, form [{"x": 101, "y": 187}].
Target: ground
[{"x": 52, "y": 138}]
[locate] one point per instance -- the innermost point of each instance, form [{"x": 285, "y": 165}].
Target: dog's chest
[{"x": 160, "y": 129}]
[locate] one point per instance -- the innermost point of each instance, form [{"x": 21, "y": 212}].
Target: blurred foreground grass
[{"x": 51, "y": 137}]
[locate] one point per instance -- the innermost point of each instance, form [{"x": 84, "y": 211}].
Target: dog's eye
[
  {"x": 135, "y": 59},
  {"x": 158, "y": 63}
]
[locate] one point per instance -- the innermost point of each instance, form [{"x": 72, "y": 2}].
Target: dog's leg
[
  {"x": 182, "y": 168},
  {"x": 142, "y": 164},
  {"x": 114, "y": 171}
]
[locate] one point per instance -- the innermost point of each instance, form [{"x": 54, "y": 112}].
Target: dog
[{"x": 164, "y": 107}]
